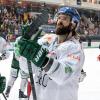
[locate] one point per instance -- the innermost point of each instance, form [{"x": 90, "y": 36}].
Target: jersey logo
[
  {"x": 38, "y": 56},
  {"x": 74, "y": 57},
  {"x": 68, "y": 70}
]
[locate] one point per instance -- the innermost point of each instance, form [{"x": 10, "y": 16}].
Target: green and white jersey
[{"x": 16, "y": 47}]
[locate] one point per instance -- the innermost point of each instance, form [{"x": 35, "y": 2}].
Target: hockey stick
[
  {"x": 4, "y": 96},
  {"x": 33, "y": 35},
  {"x": 34, "y": 26},
  {"x": 31, "y": 80}
]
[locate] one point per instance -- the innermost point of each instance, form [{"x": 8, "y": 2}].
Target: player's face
[{"x": 63, "y": 22}]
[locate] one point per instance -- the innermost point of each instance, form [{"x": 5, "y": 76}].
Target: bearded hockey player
[{"x": 59, "y": 67}]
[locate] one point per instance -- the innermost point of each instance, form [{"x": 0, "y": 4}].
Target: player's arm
[
  {"x": 5, "y": 51},
  {"x": 60, "y": 70}
]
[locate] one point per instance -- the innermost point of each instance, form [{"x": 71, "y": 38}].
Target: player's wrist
[{"x": 48, "y": 63}]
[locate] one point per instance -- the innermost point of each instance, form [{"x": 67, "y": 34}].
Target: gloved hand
[
  {"x": 33, "y": 51},
  {"x": 26, "y": 48},
  {"x": 25, "y": 30},
  {"x": 2, "y": 83},
  {"x": 40, "y": 57},
  {"x": 22, "y": 43}
]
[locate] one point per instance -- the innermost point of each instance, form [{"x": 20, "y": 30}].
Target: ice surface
[{"x": 89, "y": 89}]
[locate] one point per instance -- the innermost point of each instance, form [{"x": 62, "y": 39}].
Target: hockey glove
[
  {"x": 25, "y": 30},
  {"x": 33, "y": 51},
  {"x": 26, "y": 48},
  {"x": 2, "y": 83},
  {"x": 40, "y": 57}
]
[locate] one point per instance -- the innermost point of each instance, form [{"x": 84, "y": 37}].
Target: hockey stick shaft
[
  {"x": 32, "y": 80},
  {"x": 4, "y": 96},
  {"x": 35, "y": 37}
]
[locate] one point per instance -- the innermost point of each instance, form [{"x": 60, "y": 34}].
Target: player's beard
[{"x": 62, "y": 30}]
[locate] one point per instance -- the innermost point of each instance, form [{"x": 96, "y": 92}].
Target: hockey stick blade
[{"x": 37, "y": 22}]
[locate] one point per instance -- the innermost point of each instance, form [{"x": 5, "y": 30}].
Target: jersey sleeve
[
  {"x": 70, "y": 61},
  {"x": 46, "y": 40},
  {"x": 4, "y": 49}
]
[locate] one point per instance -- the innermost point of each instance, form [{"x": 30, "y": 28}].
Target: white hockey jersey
[
  {"x": 3, "y": 48},
  {"x": 61, "y": 81}
]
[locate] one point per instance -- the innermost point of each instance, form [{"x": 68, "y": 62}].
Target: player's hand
[
  {"x": 25, "y": 31},
  {"x": 40, "y": 57},
  {"x": 33, "y": 51},
  {"x": 25, "y": 48}
]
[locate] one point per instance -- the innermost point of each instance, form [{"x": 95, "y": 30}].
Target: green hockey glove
[
  {"x": 24, "y": 42},
  {"x": 27, "y": 48},
  {"x": 25, "y": 30},
  {"x": 2, "y": 84},
  {"x": 24, "y": 47},
  {"x": 33, "y": 51},
  {"x": 40, "y": 57}
]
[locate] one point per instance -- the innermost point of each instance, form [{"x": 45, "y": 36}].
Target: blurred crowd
[
  {"x": 87, "y": 27},
  {"x": 11, "y": 23}
]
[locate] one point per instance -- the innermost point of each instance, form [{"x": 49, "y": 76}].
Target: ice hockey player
[
  {"x": 61, "y": 67},
  {"x": 4, "y": 51},
  {"x": 15, "y": 69},
  {"x": 48, "y": 38}
]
